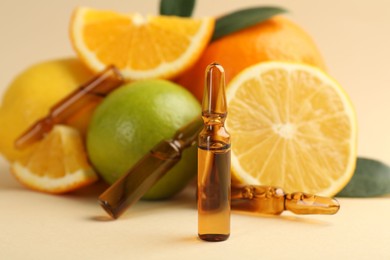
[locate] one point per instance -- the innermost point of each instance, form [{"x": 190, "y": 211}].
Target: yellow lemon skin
[{"x": 32, "y": 93}]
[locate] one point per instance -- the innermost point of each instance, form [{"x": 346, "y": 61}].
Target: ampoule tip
[{"x": 214, "y": 99}]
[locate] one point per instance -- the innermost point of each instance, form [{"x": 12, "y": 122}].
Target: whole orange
[{"x": 276, "y": 39}]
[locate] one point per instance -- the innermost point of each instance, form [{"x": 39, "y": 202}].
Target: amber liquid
[{"x": 214, "y": 193}]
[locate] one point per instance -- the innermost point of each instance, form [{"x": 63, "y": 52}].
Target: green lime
[{"x": 133, "y": 119}]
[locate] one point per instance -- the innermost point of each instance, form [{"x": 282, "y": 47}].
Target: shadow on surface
[
  {"x": 304, "y": 219},
  {"x": 90, "y": 192},
  {"x": 183, "y": 200}
]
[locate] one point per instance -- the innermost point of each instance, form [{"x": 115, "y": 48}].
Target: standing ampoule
[{"x": 214, "y": 160}]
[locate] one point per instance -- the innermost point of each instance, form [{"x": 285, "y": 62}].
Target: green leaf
[
  {"x": 181, "y": 8},
  {"x": 241, "y": 19},
  {"x": 371, "y": 178}
]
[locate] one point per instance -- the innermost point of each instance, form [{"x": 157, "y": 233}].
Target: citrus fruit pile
[{"x": 291, "y": 124}]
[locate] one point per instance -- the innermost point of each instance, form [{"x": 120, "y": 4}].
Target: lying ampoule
[
  {"x": 273, "y": 201},
  {"x": 87, "y": 94},
  {"x": 128, "y": 189}
]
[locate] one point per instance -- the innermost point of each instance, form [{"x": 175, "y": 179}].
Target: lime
[
  {"x": 32, "y": 93},
  {"x": 134, "y": 118}
]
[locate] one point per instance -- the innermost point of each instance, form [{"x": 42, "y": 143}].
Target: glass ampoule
[
  {"x": 90, "y": 93},
  {"x": 214, "y": 161},
  {"x": 148, "y": 170},
  {"x": 274, "y": 201}
]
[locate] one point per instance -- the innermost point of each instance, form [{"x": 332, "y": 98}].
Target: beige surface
[{"x": 354, "y": 39}]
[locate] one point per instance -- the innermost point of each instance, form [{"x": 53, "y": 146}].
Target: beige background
[{"x": 354, "y": 38}]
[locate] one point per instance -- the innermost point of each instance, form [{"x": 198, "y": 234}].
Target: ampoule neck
[{"x": 214, "y": 119}]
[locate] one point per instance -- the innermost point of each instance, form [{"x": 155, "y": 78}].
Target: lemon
[
  {"x": 32, "y": 93},
  {"x": 134, "y": 118},
  {"x": 291, "y": 126}
]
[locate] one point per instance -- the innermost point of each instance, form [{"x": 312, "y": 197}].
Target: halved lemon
[
  {"x": 140, "y": 46},
  {"x": 292, "y": 126},
  {"x": 58, "y": 163}
]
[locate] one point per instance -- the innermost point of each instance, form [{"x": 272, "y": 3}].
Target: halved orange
[
  {"x": 292, "y": 126},
  {"x": 58, "y": 163},
  {"x": 140, "y": 46}
]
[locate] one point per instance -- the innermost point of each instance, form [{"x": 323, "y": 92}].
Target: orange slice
[
  {"x": 292, "y": 126},
  {"x": 58, "y": 163},
  {"x": 140, "y": 46}
]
